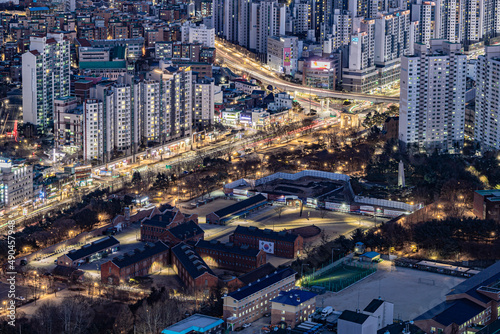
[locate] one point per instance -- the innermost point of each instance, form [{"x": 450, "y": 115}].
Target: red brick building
[
  {"x": 140, "y": 262},
  {"x": 157, "y": 227},
  {"x": 228, "y": 256},
  {"x": 282, "y": 244},
  {"x": 191, "y": 269},
  {"x": 487, "y": 204}
]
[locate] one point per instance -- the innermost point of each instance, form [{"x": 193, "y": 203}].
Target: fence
[{"x": 387, "y": 203}]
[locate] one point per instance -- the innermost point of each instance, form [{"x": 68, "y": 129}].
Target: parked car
[
  {"x": 238, "y": 329},
  {"x": 267, "y": 314},
  {"x": 20, "y": 298},
  {"x": 246, "y": 325}
]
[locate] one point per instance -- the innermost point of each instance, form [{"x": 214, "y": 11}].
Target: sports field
[{"x": 339, "y": 277}]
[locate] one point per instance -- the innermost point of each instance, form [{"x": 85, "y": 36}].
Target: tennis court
[{"x": 340, "y": 277}]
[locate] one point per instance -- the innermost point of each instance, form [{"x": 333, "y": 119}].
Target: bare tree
[
  {"x": 279, "y": 210},
  {"x": 323, "y": 212},
  {"x": 124, "y": 321}
]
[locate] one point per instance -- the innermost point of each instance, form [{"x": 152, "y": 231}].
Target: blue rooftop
[
  {"x": 294, "y": 297},
  {"x": 198, "y": 323},
  {"x": 371, "y": 254},
  {"x": 37, "y": 9}
]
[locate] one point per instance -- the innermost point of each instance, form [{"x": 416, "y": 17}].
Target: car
[
  {"x": 246, "y": 325},
  {"x": 238, "y": 329},
  {"x": 20, "y": 298},
  {"x": 267, "y": 314}
]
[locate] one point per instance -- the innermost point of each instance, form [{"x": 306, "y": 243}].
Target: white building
[
  {"x": 46, "y": 76},
  {"x": 271, "y": 17},
  {"x": 432, "y": 100},
  {"x": 93, "y": 131},
  {"x": 453, "y": 20},
  {"x": 342, "y": 28},
  {"x": 392, "y": 36},
  {"x": 16, "y": 184},
  {"x": 68, "y": 123},
  {"x": 283, "y": 53},
  {"x": 300, "y": 16},
  {"x": 191, "y": 33},
  {"x": 282, "y": 101},
  {"x": 377, "y": 315},
  {"x": 486, "y": 129},
  {"x": 203, "y": 105},
  {"x": 428, "y": 15},
  {"x": 148, "y": 103}
]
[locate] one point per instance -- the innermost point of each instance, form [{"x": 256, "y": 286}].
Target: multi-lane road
[{"x": 235, "y": 60}]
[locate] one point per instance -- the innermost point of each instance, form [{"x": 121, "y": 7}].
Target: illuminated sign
[
  {"x": 286, "y": 56},
  {"x": 354, "y": 39},
  {"x": 320, "y": 64}
]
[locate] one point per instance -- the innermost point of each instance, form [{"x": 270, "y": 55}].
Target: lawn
[{"x": 339, "y": 277}]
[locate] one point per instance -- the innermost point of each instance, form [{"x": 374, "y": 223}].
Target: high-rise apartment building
[
  {"x": 271, "y": 17},
  {"x": 342, "y": 27},
  {"x": 486, "y": 126},
  {"x": 203, "y": 104},
  {"x": 16, "y": 183},
  {"x": 428, "y": 15},
  {"x": 432, "y": 100},
  {"x": 392, "y": 36},
  {"x": 46, "y": 76},
  {"x": 453, "y": 20}
]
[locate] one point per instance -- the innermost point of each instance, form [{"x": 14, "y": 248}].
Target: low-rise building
[
  {"x": 139, "y": 262},
  {"x": 235, "y": 210},
  {"x": 487, "y": 204},
  {"x": 191, "y": 269},
  {"x": 155, "y": 228},
  {"x": 228, "y": 256},
  {"x": 16, "y": 184},
  {"x": 240, "y": 281},
  {"x": 475, "y": 301},
  {"x": 282, "y": 244},
  {"x": 196, "y": 324},
  {"x": 351, "y": 322},
  {"x": 252, "y": 301},
  {"x": 89, "y": 252},
  {"x": 292, "y": 307}
]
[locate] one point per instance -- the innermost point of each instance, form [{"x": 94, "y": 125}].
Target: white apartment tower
[
  {"x": 46, "y": 76},
  {"x": 148, "y": 105},
  {"x": 16, "y": 183},
  {"x": 432, "y": 100},
  {"x": 428, "y": 15},
  {"x": 392, "y": 36},
  {"x": 487, "y": 113},
  {"x": 301, "y": 14},
  {"x": 203, "y": 105},
  {"x": 93, "y": 130},
  {"x": 453, "y": 21},
  {"x": 342, "y": 27},
  {"x": 271, "y": 17}
]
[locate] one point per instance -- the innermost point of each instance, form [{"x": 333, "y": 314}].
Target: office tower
[
  {"x": 203, "y": 105},
  {"x": 432, "y": 100},
  {"x": 486, "y": 128},
  {"x": 453, "y": 20},
  {"x": 46, "y": 76},
  {"x": 342, "y": 27},
  {"x": 428, "y": 16},
  {"x": 392, "y": 36},
  {"x": 270, "y": 21}
]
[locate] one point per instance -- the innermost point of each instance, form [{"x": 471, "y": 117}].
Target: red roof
[
  {"x": 35, "y": 52},
  {"x": 83, "y": 42}
]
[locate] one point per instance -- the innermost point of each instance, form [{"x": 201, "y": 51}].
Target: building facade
[
  {"x": 46, "y": 77},
  {"x": 16, "y": 184},
  {"x": 432, "y": 100}
]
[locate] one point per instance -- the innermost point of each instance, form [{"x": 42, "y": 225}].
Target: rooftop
[
  {"x": 262, "y": 283},
  {"x": 294, "y": 297},
  {"x": 139, "y": 254},
  {"x": 373, "y": 306},
  {"x": 240, "y": 205},
  {"x": 195, "y": 323},
  {"x": 103, "y": 64},
  {"x": 257, "y": 232},
  {"x": 228, "y": 247},
  {"x": 186, "y": 230},
  {"x": 257, "y": 273},
  {"x": 352, "y": 316},
  {"x": 192, "y": 262},
  {"x": 93, "y": 248}
]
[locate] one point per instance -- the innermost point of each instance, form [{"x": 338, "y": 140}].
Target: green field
[{"x": 340, "y": 277}]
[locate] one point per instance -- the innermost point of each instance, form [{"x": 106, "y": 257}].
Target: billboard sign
[
  {"x": 266, "y": 246},
  {"x": 325, "y": 65},
  {"x": 286, "y": 56}
]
